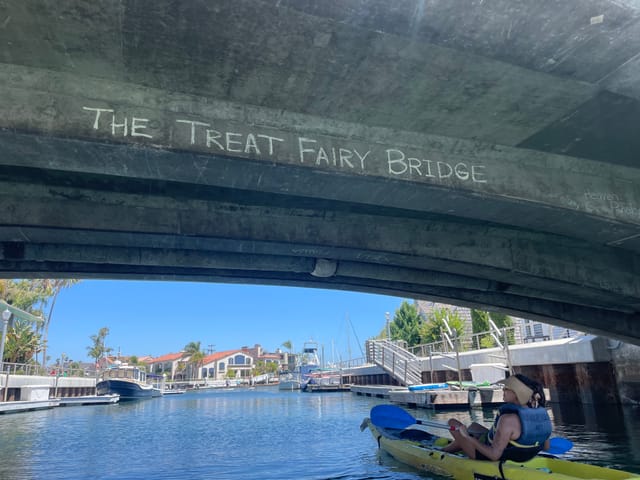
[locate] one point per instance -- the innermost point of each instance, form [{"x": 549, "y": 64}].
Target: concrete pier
[
  {"x": 585, "y": 369},
  {"x": 14, "y": 387}
]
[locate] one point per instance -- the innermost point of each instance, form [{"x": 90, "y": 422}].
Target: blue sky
[{"x": 154, "y": 318}]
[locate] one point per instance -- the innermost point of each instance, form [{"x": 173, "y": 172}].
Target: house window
[
  {"x": 221, "y": 366},
  {"x": 238, "y": 360}
]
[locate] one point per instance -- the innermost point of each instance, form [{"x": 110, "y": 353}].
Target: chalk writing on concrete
[
  {"x": 400, "y": 164},
  {"x": 321, "y": 151},
  {"x": 594, "y": 201},
  {"x": 125, "y": 126}
]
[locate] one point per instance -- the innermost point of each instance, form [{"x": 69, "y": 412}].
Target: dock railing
[
  {"x": 396, "y": 360},
  {"x": 33, "y": 369},
  {"x": 496, "y": 337},
  {"x": 404, "y": 363}
]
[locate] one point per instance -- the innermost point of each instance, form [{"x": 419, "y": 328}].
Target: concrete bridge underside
[{"x": 477, "y": 153}]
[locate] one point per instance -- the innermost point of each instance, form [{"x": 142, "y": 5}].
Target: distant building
[
  {"x": 259, "y": 354},
  {"x": 425, "y": 308},
  {"x": 218, "y": 365},
  {"x": 168, "y": 364}
]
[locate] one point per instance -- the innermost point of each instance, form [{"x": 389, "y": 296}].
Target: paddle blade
[
  {"x": 390, "y": 416},
  {"x": 559, "y": 445}
]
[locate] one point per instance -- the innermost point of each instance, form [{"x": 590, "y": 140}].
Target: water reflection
[
  {"x": 606, "y": 435},
  {"x": 259, "y": 434}
]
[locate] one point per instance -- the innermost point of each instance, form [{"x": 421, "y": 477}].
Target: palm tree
[
  {"x": 53, "y": 289},
  {"x": 195, "y": 354}
]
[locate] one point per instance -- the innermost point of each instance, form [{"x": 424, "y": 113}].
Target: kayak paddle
[{"x": 390, "y": 416}]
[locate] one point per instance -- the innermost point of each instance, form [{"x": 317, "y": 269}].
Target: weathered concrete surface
[
  {"x": 479, "y": 153},
  {"x": 627, "y": 374}
]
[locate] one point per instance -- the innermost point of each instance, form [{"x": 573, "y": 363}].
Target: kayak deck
[{"x": 422, "y": 450}]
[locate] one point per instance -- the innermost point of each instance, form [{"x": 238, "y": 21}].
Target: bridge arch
[{"x": 303, "y": 147}]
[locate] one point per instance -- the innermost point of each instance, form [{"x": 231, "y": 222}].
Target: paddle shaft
[{"x": 451, "y": 428}]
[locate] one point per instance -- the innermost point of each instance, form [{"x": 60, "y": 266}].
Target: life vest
[{"x": 536, "y": 429}]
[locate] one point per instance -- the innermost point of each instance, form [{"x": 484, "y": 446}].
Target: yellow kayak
[{"x": 422, "y": 450}]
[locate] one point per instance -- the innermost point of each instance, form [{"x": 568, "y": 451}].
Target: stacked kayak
[
  {"x": 422, "y": 450},
  {"x": 428, "y": 386}
]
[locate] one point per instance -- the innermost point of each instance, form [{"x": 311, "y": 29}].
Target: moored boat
[
  {"x": 423, "y": 450},
  {"x": 174, "y": 391},
  {"x": 289, "y": 381},
  {"x": 128, "y": 381},
  {"x": 308, "y": 362}
]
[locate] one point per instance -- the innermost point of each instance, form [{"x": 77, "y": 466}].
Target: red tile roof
[
  {"x": 218, "y": 355},
  {"x": 169, "y": 357}
]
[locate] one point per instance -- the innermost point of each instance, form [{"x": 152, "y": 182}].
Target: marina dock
[
  {"x": 311, "y": 388},
  {"x": 434, "y": 399}
]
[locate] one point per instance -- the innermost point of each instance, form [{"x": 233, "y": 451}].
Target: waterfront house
[
  {"x": 258, "y": 354},
  {"x": 236, "y": 364},
  {"x": 168, "y": 364}
]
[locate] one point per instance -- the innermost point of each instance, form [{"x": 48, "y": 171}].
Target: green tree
[
  {"x": 501, "y": 320},
  {"x": 504, "y": 321},
  {"x": 480, "y": 324},
  {"x": 22, "y": 342},
  {"x": 51, "y": 288},
  {"x": 25, "y": 295},
  {"x": 288, "y": 345},
  {"x": 406, "y": 324},
  {"x": 433, "y": 328},
  {"x": 196, "y": 356},
  {"x": 98, "y": 349},
  {"x": 261, "y": 367},
  {"x": 34, "y": 297}
]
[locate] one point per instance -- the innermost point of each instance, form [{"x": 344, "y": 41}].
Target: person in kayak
[{"x": 520, "y": 430}]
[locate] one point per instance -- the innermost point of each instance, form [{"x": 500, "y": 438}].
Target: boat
[
  {"x": 324, "y": 380},
  {"x": 289, "y": 381},
  {"x": 174, "y": 391},
  {"x": 128, "y": 381},
  {"x": 109, "y": 399},
  {"x": 415, "y": 446},
  {"x": 307, "y": 363}
]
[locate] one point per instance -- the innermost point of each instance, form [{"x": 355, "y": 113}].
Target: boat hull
[
  {"x": 289, "y": 385},
  {"x": 126, "y": 389},
  {"x": 421, "y": 452}
]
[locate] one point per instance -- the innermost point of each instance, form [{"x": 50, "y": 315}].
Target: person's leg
[
  {"x": 476, "y": 430},
  {"x": 454, "y": 446},
  {"x": 461, "y": 438}
]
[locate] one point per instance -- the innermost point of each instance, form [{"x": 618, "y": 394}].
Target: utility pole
[{"x": 211, "y": 348}]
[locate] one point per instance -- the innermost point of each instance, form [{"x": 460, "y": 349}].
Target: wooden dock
[
  {"x": 27, "y": 405},
  {"x": 311, "y": 388},
  {"x": 435, "y": 399},
  {"x": 89, "y": 400}
]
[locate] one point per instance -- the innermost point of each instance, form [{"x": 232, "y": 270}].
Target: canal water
[{"x": 259, "y": 433}]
